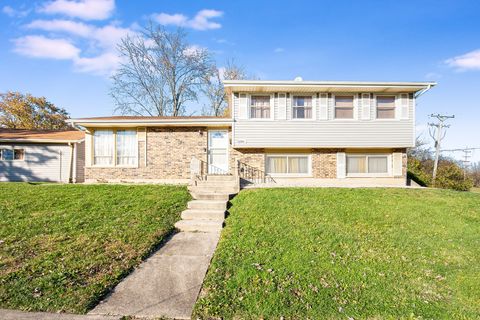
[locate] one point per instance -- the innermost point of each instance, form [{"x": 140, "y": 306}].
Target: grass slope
[
  {"x": 62, "y": 247},
  {"x": 340, "y": 253}
]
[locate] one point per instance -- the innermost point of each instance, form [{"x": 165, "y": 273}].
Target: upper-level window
[
  {"x": 302, "y": 107},
  {"x": 12, "y": 154},
  {"x": 386, "y": 107},
  {"x": 344, "y": 107},
  {"x": 105, "y": 142},
  {"x": 260, "y": 107}
]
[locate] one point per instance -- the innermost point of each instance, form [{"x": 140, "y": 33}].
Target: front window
[
  {"x": 103, "y": 147},
  {"x": 105, "y": 142},
  {"x": 344, "y": 107},
  {"x": 302, "y": 107},
  {"x": 12, "y": 154},
  {"x": 126, "y": 148},
  {"x": 260, "y": 107},
  {"x": 287, "y": 164},
  {"x": 386, "y": 107},
  {"x": 367, "y": 164}
]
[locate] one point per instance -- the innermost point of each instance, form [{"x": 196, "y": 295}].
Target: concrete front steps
[{"x": 206, "y": 212}]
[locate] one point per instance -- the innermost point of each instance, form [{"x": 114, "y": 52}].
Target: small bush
[{"x": 451, "y": 176}]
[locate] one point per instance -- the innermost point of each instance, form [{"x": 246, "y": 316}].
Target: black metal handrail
[
  {"x": 200, "y": 169},
  {"x": 252, "y": 175}
]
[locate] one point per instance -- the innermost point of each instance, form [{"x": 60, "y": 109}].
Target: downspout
[
  {"x": 70, "y": 173},
  {"x": 421, "y": 92}
]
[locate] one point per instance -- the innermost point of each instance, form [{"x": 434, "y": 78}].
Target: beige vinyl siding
[
  {"x": 328, "y": 133},
  {"x": 42, "y": 162}
]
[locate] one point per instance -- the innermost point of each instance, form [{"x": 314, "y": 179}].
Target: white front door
[{"x": 218, "y": 151}]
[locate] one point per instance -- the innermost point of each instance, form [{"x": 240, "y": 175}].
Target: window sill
[
  {"x": 290, "y": 175},
  {"x": 112, "y": 167},
  {"x": 369, "y": 175}
]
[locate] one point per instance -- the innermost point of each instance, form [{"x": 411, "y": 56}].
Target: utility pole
[{"x": 437, "y": 133}]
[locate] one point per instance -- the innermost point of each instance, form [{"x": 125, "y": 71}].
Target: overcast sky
[{"x": 65, "y": 50}]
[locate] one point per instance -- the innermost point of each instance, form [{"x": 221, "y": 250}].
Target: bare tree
[
  {"x": 161, "y": 72},
  {"x": 214, "y": 93},
  {"x": 214, "y": 90},
  {"x": 421, "y": 151},
  {"x": 233, "y": 71}
]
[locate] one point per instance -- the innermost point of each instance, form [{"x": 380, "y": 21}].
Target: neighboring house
[
  {"x": 279, "y": 131},
  {"x": 40, "y": 155}
]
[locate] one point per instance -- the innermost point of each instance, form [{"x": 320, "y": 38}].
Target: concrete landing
[{"x": 166, "y": 284}]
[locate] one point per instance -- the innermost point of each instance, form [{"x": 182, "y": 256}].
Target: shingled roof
[{"x": 23, "y": 135}]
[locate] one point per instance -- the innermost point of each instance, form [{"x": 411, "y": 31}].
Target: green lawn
[
  {"x": 63, "y": 247},
  {"x": 341, "y": 253}
]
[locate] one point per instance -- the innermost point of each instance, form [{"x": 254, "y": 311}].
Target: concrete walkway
[
  {"x": 6, "y": 314},
  {"x": 166, "y": 284}
]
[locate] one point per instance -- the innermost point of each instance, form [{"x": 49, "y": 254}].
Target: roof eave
[
  {"x": 41, "y": 141},
  {"x": 410, "y": 86},
  {"x": 149, "y": 122}
]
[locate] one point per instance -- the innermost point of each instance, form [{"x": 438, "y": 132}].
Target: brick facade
[
  {"x": 324, "y": 163},
  {"x": 169, "y": 151},
  {"x": 168, "y": 155}
]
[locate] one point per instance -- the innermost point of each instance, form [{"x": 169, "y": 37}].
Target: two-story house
[{"x": 279, "y": 131}]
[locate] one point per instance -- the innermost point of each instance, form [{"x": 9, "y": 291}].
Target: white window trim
[
  {"x": 115, "y": 165},
  {"x": 272, "y": 105},
  {"x": 397, "y": 111},
  {"x": 370, "y": 175},
  {"x": 314, "y": 106},
  {"x": 290, "y": 175},
  {"x": 355, "y": 107},
  {"x": 13, "y": 149}
]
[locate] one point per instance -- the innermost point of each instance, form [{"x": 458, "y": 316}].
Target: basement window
[
  {"x": 367, "y": 165},
  {"x": 288, "y": 165}
]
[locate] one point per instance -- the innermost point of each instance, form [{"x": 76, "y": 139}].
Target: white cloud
[
  {"x": 42, "y": 47},
  {"x": 76, "y": 28},
  {"x": 278, "y": 50},
  {"x": 105, "y": 37},
  {"x": 12, "y": 13},
  {"x": 103, "y": 64},
  {"x": 467, "y": 61},
  {"x": 171, "y": 19},
  {"x": 9, "y": 11},
  {"x": 193, "y": 50},
  {"x": 201, "y": 21},
  {"x": 100, "y": 41},
  {"x": 83, "y": 9}
]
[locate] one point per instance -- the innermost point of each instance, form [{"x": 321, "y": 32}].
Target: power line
[
  {"x": 437, "y": 133},
  {"x": 467, "y": 155}
]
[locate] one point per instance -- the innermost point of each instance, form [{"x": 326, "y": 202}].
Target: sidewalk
[{"x": 166, "y": 284}]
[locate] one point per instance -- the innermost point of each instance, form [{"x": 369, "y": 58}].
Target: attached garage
[{"x": 43, "y": 156}]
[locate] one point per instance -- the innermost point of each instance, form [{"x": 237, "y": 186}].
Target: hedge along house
[
  {"x": 280, "y": 132},
  {"x": 40, "y": 155}
]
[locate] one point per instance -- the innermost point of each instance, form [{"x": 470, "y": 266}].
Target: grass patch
[
  {"x": 340, "y": 253},
  {"x": 63, "y": 247}
]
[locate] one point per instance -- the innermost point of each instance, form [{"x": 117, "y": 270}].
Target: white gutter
[
  {"x": 419, "y": 93},
  {"x": 41, "y": 140},
  {"x": 222, "y": 121},
  {"x": 232, "y": 83}
]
